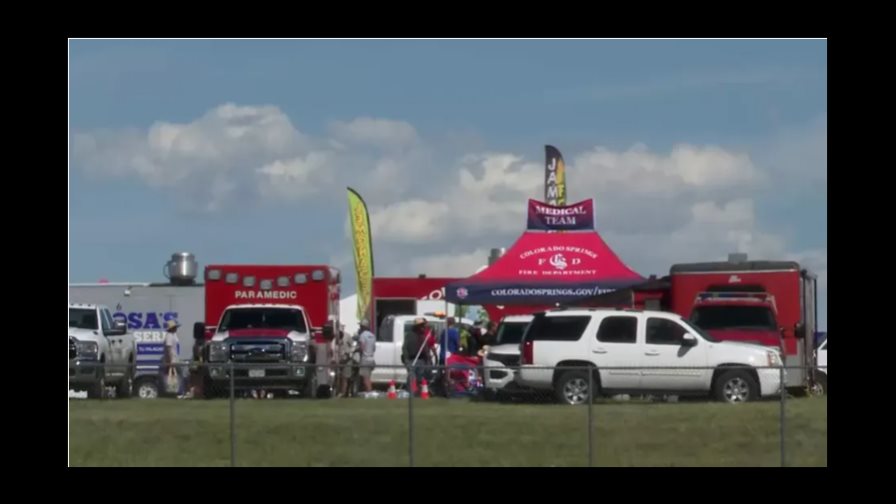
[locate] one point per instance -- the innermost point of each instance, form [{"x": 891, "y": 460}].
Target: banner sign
[
  {"x": 362, "y": 246},
  {"x": 561, "y": 218},
  {"x": 554, "y": 176}
]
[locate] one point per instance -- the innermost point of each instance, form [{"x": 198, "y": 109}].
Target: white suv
[{"x": 640, "y": 352}]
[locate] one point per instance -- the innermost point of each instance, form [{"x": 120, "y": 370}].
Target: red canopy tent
[{"x": 546, "y": 268}]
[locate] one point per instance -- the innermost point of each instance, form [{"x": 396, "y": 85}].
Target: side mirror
[
  {"x": 199, "y": 332},
  {"x": 799, "y": 330},
  {"x": 119, "y": 328},
  {"x": 688, "y": 340}
]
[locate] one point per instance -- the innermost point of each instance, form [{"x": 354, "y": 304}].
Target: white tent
[{"x": 348, "y": 313}]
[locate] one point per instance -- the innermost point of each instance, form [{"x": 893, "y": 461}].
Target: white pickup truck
[
  {"x": 504, "y": 356},
  {"x": 100, "y": 352},
  {"x": 640, "y": 352},
  {"x": 389, "y": 340}
]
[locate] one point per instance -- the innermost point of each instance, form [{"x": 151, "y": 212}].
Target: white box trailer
[{"x": 145, "y": 307}]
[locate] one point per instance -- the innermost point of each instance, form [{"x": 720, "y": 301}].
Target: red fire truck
[
  {"x": 278, "y": 317},
  {"x": 771, "y": 303}
]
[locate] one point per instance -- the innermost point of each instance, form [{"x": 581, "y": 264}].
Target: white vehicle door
[
  {"x": 822, "y": 357},
  {"x": 616, "y": 345},
  {"x": 686, "y": 364},
  {"x": 126, "y": 347},
  {"x": 114, "y": 360},
  {"x": 399, "y": 373},
  {"x": 385, "y": 353}
]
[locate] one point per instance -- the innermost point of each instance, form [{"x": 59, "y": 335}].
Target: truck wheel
[
  {"x": 821, "y": 385},
  {"x": 324, "y": 392},
  {"x": 310, "y": 389},
  {"x": 572, "y": 388},
  {"x": 148, "y": 388},
  {"x": 125, "y": 387},
  {"x": 212, "y": 389},
  {"x": 97, "y": 390},
  {"x": 736, "y": 386}
]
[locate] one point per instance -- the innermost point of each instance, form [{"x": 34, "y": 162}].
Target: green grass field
[{"x": 358, "y": 432}]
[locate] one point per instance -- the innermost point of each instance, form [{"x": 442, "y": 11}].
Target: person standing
[
  {"x": 346, "y": 365},
  {"x": 416, "y": 351},
  {"x": 168, "y": 367},
  {"x": 367, "y": 342}
]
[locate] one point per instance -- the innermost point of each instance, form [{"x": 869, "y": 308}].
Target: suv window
[
  {"x": 662, "y": 331},
  {"x": 562, "y": 328},
  {"x": 618, "y": 329},
  {"x": 511, "y": 332}
]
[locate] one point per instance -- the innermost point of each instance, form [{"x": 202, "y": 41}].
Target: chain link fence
[{"x": 294, "y": 414}]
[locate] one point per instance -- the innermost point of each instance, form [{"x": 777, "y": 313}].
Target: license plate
[{"x": 256, "y": 373}]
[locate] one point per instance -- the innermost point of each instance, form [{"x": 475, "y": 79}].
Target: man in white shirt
[
  {"x": 169, "y": 357},
  {"x": 367, "y": 342}
]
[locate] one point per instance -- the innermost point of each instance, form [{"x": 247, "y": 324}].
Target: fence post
[
  {"x": 232, "y": 420},
  {"x": 783, "y": 416},
  {"x": 411, "y": 417},
  {"x": 590, "y": 424}
]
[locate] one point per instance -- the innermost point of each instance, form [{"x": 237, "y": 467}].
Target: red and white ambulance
[{"x": 272, "y": 325}]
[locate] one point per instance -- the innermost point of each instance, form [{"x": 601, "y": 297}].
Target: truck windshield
[
  {"x": 83, "y": 318},
  {"x": 511, "y": 332},
  {"x": 263, "y": 318},
  {"x": 705, "y": 335},
  {"x": 734, "y": 317}
]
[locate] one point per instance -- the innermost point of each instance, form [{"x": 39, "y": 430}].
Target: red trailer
[
  {"x": 407, "y": 295},
  {"x": 771, "y": 303}
]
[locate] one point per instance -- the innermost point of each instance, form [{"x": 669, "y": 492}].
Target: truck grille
[{"x": 258, "y": 351}]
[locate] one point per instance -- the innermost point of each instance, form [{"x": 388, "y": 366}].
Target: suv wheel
[
  {"x": 736, "y": 386},
  {"x": 572, "y": 388}
]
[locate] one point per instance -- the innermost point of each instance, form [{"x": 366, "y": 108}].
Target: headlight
[
  {"x": 299, "y": 351},
  {"x": 87, "y": 349},
  {"x": 773, "y": 358},
  {"x": 217, "y": 351}
]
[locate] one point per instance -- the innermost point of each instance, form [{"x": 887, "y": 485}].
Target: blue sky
[{"x": 171, "y": 149}]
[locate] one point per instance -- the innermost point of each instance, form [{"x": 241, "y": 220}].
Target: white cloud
[
  {"x": 414, "y": 221},
  {"x": 635, "y": 190},
  {"x": 382, "y": 133},
  {"x": 654, "y": 209},
  {"x": 690, "y": 203},
  {"x": 449, "y": 265},
  {"x": 296, "y": 177},
  {"x": 255, "y": 151}
]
